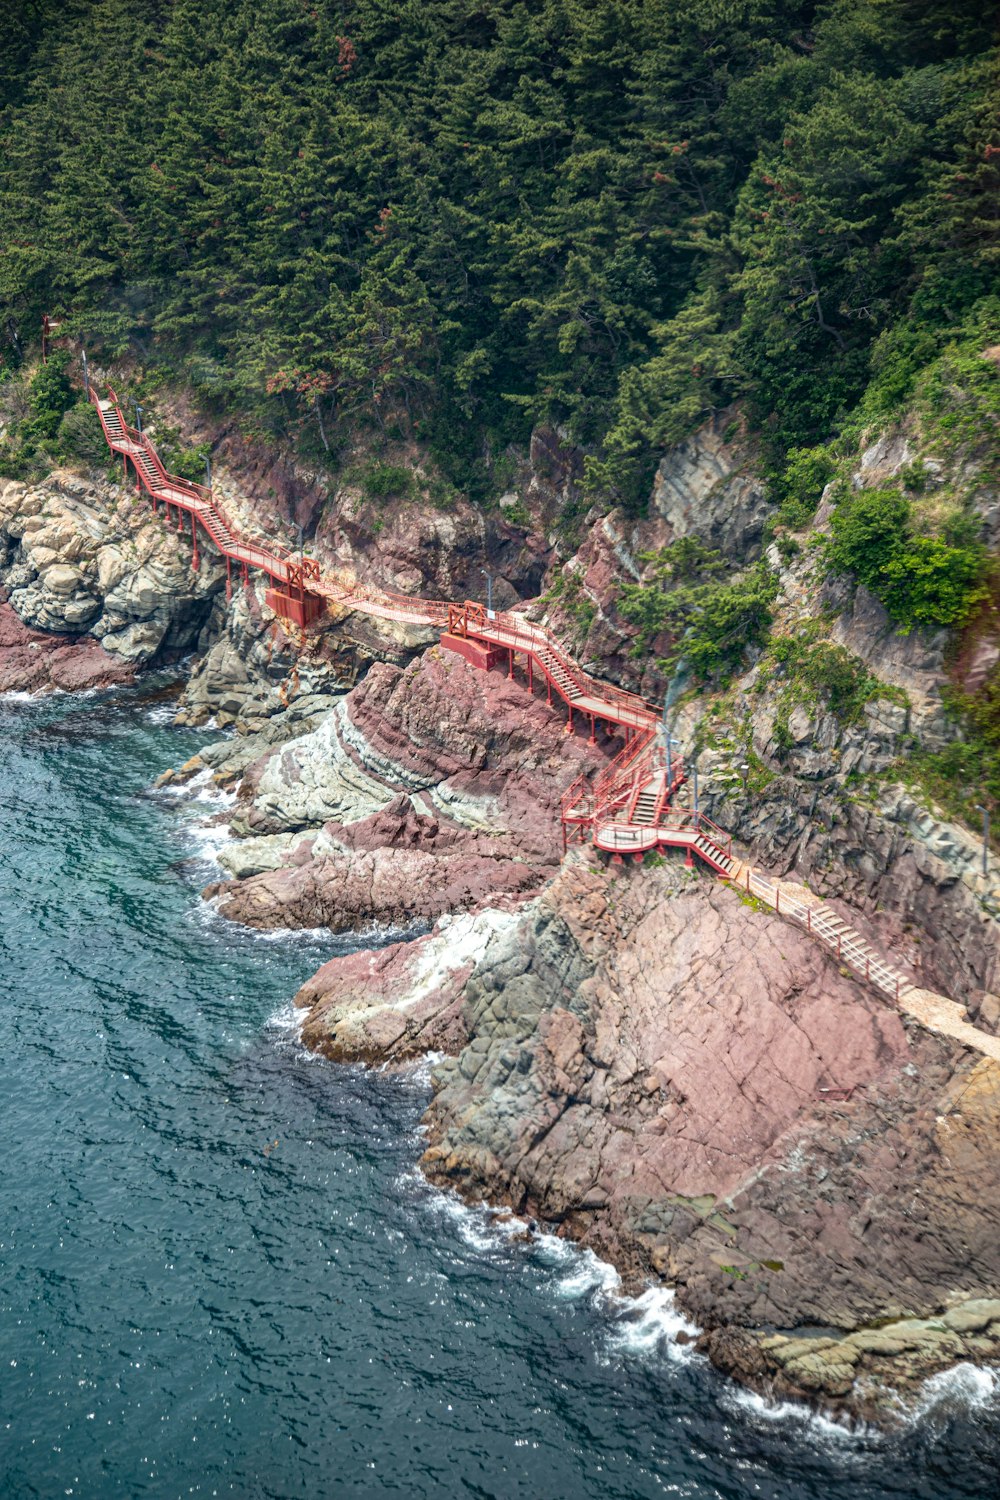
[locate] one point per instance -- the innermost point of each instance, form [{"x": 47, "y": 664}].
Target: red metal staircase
[{"x": 629, "y": 809}]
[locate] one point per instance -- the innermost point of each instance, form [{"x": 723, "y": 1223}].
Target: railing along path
[{"x": 628, "y": 809}]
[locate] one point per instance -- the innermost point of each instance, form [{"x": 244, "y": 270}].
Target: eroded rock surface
[
  {"x": 424, "y": 791},
  {"x": 33, "y": 662},
  {"x": 644, "y": 1060},
  {"x": 80, "y": 558},
  {"x": 397, "y": 1003}
]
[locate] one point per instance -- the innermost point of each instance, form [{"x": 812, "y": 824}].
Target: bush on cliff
[
  {"x": 711, "y": 624},
  {"x": 921, "y": 580},
  {"x": 799, "y": 487}
]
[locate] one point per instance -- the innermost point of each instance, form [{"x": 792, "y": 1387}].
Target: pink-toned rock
[
  {"x": 33, "y": 662},
  {"x": 695, "y": 1089},
  {"x": 396, "y": 1003},
  {"x": 429, "y": 790}
]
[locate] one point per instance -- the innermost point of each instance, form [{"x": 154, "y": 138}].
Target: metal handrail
[
  {"x": 507, "y": 629},
  {"x": 197, "y": 499},
  {"x": 847, "y": 944}
]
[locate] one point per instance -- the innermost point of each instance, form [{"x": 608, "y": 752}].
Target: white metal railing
[{"x": 823, "y": 923}]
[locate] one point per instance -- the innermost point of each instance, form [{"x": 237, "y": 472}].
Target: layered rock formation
[
  {"x": 424, "y": 791},
  {"x": 694, "y": 1089}
]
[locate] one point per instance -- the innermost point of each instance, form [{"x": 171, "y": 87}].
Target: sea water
[{"x": 221, "y": 1272}]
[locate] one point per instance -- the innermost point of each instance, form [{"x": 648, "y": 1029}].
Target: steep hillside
[{"x": 676, "y": 326}]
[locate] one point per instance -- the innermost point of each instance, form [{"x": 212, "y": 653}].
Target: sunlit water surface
[{"x": 222, "y": 1273}]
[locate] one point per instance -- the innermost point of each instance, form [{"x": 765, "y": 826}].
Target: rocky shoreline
[
  {"x": 695, "y": 1091},
  {"x": 636, "y": 1056}
]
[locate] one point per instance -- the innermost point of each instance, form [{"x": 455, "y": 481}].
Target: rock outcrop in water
[
  {"x": 32, "y": 661},
  {"x": 694, "y": 1089}
]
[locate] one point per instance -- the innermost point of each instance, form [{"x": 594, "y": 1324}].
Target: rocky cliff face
[
  {"x": 694, "y": 1089},
  {"x": 705, "y": 488},
  {"x": 828, "y": 798},
  {"x": 82, "y": 558},
  {"x": 424, "y": 791}
]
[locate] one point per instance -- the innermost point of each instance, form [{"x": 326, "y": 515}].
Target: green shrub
[
  {"x": 384, "y": 481},
  {"x": 80, "y": 434},
  {"x": 920, "y": 580},
  {"x": 867, "y": 530},
  {"x": 806, "y": 475},
  {"x": 650, "y": 605},
  {"x": 189, "y": 463},
  {"x": 50, "y": 396},
  {"x": 712, "y": 624},
  {"x": 929, "y": 583}
]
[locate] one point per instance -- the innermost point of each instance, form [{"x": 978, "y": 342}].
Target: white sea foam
[
  {"x": 479, "y": 1226},
  {"x": 418, "y": 1072},
  {"x": 818, "y": 1425},
  {"x": 649, "y": 1325},
  {"x": 585, "y": 1275},
  {"x": 18, "y": 697},
  {"x": 286, "y": 1021},
  {"x": 644, "y": 1326},
  {"x": 963, "y": 1389},
  {"x": 161, "y": 713},
  {"x": 201, "y": 788}
]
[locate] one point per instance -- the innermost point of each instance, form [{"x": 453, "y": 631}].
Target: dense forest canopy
[{"x": 465, "y": 218}]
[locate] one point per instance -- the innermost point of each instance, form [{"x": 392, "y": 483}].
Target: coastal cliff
[
  {"x": 699, "y": 1093},
  {"x": 638, "y": 1056}
]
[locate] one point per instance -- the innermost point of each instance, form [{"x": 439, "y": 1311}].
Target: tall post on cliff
[
  {"x": 986, "y": 837},
  {"x": 489, "y": 592},
  {"x": 86, "y": 374}
]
